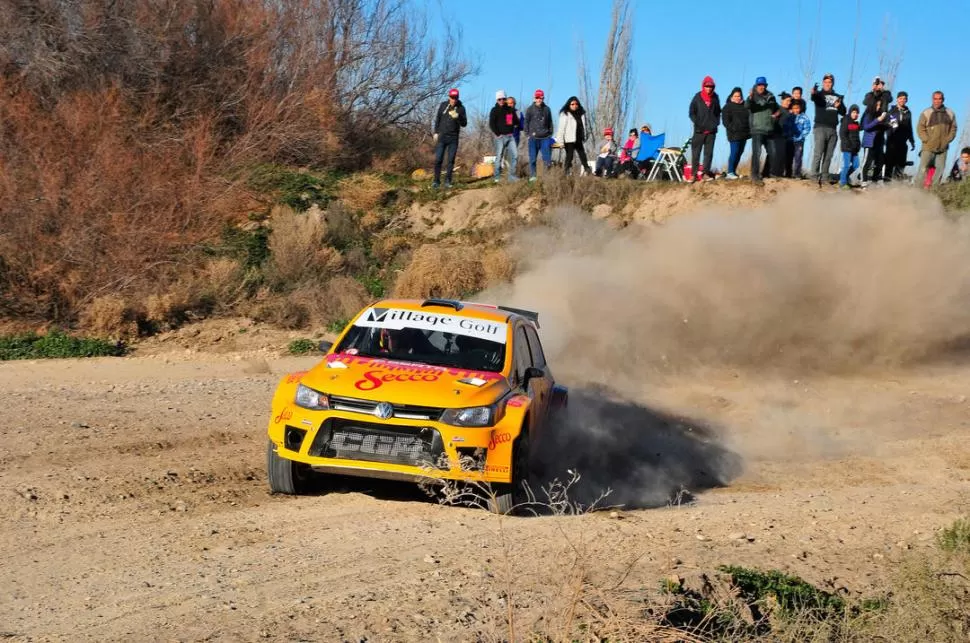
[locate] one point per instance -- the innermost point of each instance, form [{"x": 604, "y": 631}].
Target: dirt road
[{"x": 136, "y": 507}]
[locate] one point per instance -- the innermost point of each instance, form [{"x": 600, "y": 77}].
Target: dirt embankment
[{"x": 700, "y": 357}]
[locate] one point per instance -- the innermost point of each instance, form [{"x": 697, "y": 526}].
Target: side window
[
  {"x": 538, "y": 357},
  {"x": 523, "y": 358}
]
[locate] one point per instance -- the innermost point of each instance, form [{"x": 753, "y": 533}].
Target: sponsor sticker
[
  {"x": 398, "y": 319},
  {"x": 496, "y": 468},
  {"x": 499, "y": 438},
  {"x": 336, "y": 364},
  {"x": 473, "y": 381},
  {"x": 284, "y": 415},
  {"x": 381, "y": 371},
  {"x": 295, "y": 377},
  {"x": 387, "y": 445}
]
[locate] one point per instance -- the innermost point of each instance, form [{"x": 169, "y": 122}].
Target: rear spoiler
[{"x": 528, "y": 314}]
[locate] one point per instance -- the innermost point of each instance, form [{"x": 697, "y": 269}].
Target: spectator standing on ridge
[
  {"x": 936, "y": 128},
  {"x": 705, "y": 114},
  {"x": 874, "y": 124},
  {"x": 765, "y": 111},
  {"x": 879, "y": 92},
  {"x": 828, "y": 107},
  {"x": 510, "y": 101},
  {"x": 784, "y": 138},
  {"x": 961, "y": 167},
  {"x": 851, "y": 144},
  {"x": 900, "y": 133},
  {"x": 446, "y": 128},
  {"x": 736, "y": 119},
  {"x": 801, "y": 126},
  {"x": 502, "y": 120},
  {"x": 572, "y": 132},
  {"x": 538, "y": 127},
  {"x": 796, "y": 97}
]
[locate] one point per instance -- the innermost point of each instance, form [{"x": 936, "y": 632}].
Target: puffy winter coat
[
  {"x": 762, "y": 106},
  {"x": 937, "y": 128}
]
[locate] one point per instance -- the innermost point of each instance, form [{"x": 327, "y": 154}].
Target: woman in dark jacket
[
  {"x": 736, "y": 119},
  {"x": 874, "y": 124}
]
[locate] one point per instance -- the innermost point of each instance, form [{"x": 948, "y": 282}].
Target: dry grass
[
  {"x": 449, "y": 271},
  {"x": 110, "y": 316},
  {"x": 363, "y": 192},
  {"x": 298, "y": 250}
]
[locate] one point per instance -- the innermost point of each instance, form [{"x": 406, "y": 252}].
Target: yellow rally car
[{"x": 412, "y": 390}]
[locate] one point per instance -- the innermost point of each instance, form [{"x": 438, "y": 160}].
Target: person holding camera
[{"x": 829, "y": 106}]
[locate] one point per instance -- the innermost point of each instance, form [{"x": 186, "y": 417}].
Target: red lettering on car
[
  {"x": 284, "y": 415},
  {"x": 499, "y": 438},
  {"x": 376, "y": 379}
]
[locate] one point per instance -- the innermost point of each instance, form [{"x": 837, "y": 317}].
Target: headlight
[
  {"x": 309, "y": 399},
  {"x": 473, "y": 416}
]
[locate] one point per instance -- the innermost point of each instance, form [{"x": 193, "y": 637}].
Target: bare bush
[
  {"x": 110, "y": 316},
  {"x": 440, "y": 271},
  {"x": 297, "y": 248}
]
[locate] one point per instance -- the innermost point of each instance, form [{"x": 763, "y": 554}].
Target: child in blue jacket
[{"x": 801, "y": 125}]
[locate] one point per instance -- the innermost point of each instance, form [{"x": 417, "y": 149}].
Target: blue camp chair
[{"x": 650, "y": 145}]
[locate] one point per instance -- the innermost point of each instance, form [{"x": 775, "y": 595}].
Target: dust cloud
[
  {"x": 810, "y": 285},
  {"x": 827, "y": 283}
]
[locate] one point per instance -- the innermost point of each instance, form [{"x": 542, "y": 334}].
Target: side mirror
[
  {"x": 325, "y": 346},
  {"x": 530, "y": 373}
]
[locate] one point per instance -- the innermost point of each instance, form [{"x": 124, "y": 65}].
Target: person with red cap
[
  {"x": 705, "y": 114},
  {"x": 606, "y": 159},
  {"x": 446, "y": 127},
  {"x": 538, "y": 127}
]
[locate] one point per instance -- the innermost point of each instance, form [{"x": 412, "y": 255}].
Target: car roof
[{"x": 474, "y": 310}]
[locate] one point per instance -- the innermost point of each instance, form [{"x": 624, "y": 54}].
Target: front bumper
[{"x": 357, "y": 444}]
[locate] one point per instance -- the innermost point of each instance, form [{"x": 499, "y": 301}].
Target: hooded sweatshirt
[
  {"x": 849, "y": 132},
  {"x": 736, "y": 117},
  {"x": 705, "y": 110},
  {"x": 826, "y": 113}
]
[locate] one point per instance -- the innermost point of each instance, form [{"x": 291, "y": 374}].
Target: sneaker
[
  {"x": 496, "y": 180},
  {"x": 731, "y": 176},
  {"x": 435, "y": 185},
  {"x": 757, "y": 180},
  {"x": 532, "y": 179},
  {"x": 447, "y": 186},
  {"x": 513, "y": 179}
]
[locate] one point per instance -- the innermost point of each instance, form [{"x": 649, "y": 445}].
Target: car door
[
  {"x": 543, "y": 385},
  {"x": 523, "y": 360}
]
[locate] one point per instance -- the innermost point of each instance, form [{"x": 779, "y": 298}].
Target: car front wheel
[
  {"x": 286, "y": 476},
  {"x": 508, "y": 498}
]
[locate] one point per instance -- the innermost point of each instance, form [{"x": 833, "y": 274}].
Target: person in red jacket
[{"x": 705, "y": 113}]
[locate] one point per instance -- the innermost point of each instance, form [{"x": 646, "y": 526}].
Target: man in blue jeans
[
  {"x": 538, "y": 127},
  {"x": 449, "y": 118},
  {"x": 502, "y": 120}
]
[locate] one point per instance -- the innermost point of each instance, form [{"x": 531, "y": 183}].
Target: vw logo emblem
[{"x": 384, "y": 410}]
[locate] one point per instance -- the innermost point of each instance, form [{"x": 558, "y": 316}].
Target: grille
[
  {"x": 403, "y": 411},
  {"x": 408, "y": 445}
]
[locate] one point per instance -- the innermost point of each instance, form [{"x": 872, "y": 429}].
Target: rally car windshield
[{"x": 434, "y": 347}]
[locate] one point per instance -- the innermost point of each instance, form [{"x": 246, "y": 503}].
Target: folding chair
[
  {"x": 667, "y": 161},
  {"x": 650, "y": 146}
]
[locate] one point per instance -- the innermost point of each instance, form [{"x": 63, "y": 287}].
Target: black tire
[
  {"x": 286, "y": 476},
  {"x": 508, "y": 498}
]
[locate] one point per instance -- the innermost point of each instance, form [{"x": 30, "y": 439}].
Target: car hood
[{"x": 401, "y": 382}]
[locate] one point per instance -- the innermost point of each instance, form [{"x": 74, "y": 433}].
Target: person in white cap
[{"x": 503, "y": 121}]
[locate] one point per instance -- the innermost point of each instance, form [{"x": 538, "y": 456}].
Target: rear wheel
[
  {"x": 286, "y": 476},
  {"x": 506, "y": 498}
]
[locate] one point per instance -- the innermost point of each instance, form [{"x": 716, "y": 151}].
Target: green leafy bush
[
  {"x": 792, "y": 594},
  {"x": 56, "y": 344},
  {"x": 302, "y": 346}
]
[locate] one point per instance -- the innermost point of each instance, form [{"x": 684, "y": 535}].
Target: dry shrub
[
  {"x": 297, "y": 248},
  {"x": 499, "y": 266},
  {"x": 109, "y": 316},
  {"x": 370, "y": 222},
  {"x": 448, "y": 271},
  {"x": 310, "y": 305},
  {"x": 590, "y": 191},
  {"x": 385, "y": 249},
  {"x": 362, "y": 192}
]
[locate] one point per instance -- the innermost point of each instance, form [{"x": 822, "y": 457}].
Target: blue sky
[{"x": 528, "y": 44}]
